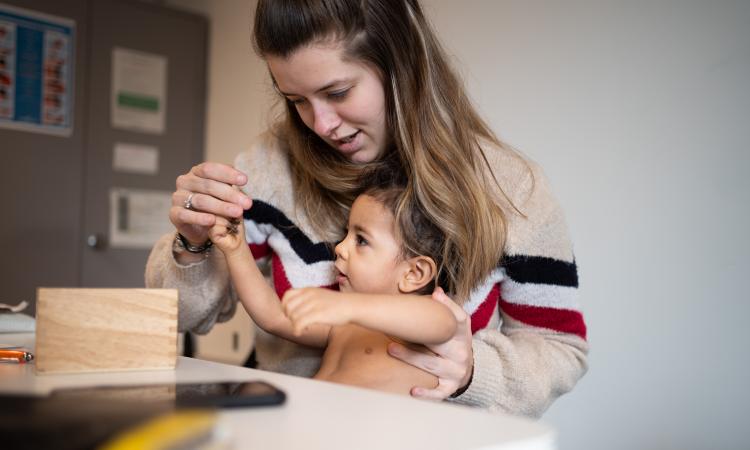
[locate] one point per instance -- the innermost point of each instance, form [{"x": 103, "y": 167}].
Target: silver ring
[{"x": 189, "y": 202}]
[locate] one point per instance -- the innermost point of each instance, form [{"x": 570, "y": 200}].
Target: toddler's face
[{"x": 369, "y": 258}]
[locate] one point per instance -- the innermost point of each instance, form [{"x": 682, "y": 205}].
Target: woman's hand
[
  {"x": 210, "y": 185},
  {"x": 453, "y": 362}
]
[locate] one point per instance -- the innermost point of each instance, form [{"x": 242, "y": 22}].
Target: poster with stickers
[{"x": 36, "y": 71}]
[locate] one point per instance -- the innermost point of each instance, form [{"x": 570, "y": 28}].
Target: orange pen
[{"x": 18, "y": 356}]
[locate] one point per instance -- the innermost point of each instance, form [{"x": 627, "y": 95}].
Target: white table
[{"x": 317, "y": 414}]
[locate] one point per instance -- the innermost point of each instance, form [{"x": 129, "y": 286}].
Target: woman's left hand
[{"x": 453, "y": 362}]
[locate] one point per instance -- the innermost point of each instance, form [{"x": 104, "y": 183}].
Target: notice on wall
[
  {"x": 139, "y": 91},
  {"x": 135, "y": 158},
  {"x": 138, "y": 217},
  {"x": 37, "y": 61}
]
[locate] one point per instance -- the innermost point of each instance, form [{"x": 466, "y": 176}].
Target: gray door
[
  {"x": 181, "y": 38},
  {"x": 56, "y": 189},
  {"x": 41, "y": 186}
]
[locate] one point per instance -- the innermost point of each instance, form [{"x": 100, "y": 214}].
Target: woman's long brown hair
[{"x": 437, "y": 135}]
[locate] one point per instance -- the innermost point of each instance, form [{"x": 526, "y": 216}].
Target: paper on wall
[
  {"x": 135, "y": 158},
  {"x": 138, "y": 217},
  {"x": 139, "y": 91}
]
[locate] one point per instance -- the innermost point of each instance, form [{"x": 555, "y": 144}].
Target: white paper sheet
[
  {"x": 138, "y": 217},
  {"x": 135, "y": 158},
  {"x": 139, "y": 91}
]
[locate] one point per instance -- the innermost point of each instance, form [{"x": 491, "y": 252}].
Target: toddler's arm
[
  {"x": 258, "y": 298},
  {"x": 412, "y": 318}
]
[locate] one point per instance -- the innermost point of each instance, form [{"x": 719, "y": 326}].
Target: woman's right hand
[{"x": 212, "y": 195}]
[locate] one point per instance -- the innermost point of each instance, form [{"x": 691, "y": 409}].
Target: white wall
[
  {"x": 239, "y": 92},
  {"x": 640, "y": 113}
]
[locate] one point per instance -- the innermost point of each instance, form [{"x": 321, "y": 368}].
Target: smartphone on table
[{"x": 184, "y": 395}]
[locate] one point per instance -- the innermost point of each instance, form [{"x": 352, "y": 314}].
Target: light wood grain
[{"x": 96, "y": 330}]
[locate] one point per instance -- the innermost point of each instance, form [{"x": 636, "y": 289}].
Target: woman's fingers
[
  {"x": 214, "y": 180},
  {"x": 209, "y": 187},
  {"x": 210, "y": 196},
  {"x": 222, "y": 223},
  {"x": 206, "y": 203},
  {"x": 436, "y": 365},
  {"x": 439, "y": 393},
  {"x": 440, "y": 295},
  {"x": 447, "y": 372},
  {"x": 222, "y": 173},
  {"x": 451, "y": 361},
  {"x": 189, "y": 222}
]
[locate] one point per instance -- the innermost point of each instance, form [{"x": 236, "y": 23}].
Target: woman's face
[{"x": 342, "y": 101}]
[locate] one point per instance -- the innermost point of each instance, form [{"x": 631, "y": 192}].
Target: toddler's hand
[
  {"x": 228, "y": 235},
  {"x": 308, "y": 306}
]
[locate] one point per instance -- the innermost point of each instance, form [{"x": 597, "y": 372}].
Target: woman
[{"x": 366, "y": 81}]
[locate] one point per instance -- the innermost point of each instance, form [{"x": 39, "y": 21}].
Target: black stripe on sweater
[
  {"x": 541, "y": 270},
  {"x": 263, "y": 213}
]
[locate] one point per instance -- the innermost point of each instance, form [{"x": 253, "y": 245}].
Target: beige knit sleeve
[
  {"x": 521, "y": 370},
  {"x": 205, "y": 294}
]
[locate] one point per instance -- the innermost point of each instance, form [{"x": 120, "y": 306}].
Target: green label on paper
[{"x": 128, "y": 100}]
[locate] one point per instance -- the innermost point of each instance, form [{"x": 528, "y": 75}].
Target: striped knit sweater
[{"x": 529, "y": 335}]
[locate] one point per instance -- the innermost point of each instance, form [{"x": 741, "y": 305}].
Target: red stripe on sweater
[
  {"x": 483, "y": 314},
  {"x": 259, "y": 250},
  {"x": 562, "y": 320},
  {"x": 280, "y": 282}
]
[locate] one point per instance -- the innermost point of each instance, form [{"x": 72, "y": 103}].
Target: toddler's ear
[{"x": 420, "y": 271}]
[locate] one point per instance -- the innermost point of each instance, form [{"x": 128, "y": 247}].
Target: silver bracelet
[{"x": 183, "y": 244}]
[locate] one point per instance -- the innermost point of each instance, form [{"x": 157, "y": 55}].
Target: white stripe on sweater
[
  {"x": 479, "y": 294},
  {"x": 543, "y": 295},
  {"x": 255, "y": 233},
  {"x": 298, "y": 272}
]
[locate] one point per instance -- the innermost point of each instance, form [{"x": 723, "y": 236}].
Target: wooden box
[{"x": 99, "y": 330}]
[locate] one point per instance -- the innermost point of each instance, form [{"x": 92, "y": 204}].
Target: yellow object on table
[{"x": 193, "y": 429}]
